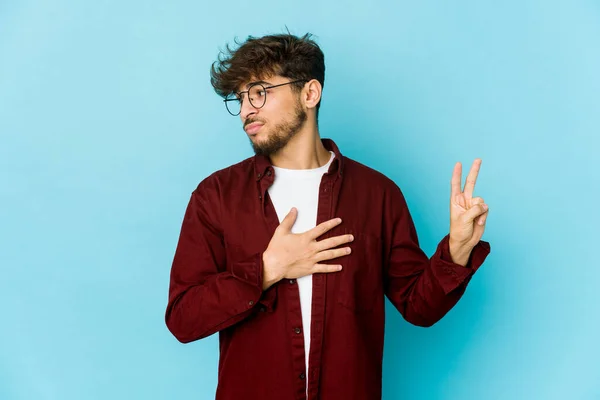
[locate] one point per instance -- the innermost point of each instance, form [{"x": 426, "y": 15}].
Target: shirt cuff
[
  {"x": 250, "y": 270},
  {"x": 451, "y": 275}
]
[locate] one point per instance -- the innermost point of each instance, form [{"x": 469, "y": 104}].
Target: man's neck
[{"x": 304, "y": 151}]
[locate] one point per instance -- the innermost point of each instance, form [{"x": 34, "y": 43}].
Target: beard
[{"x": 282, "y": 134}]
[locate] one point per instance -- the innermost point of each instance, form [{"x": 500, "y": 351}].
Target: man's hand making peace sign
[{"x": 467, "y": 214}]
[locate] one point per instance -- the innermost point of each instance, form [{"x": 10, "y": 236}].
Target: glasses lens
[
  {"x": 257, "y": 95},
  {"x": 233, "y": 105}
]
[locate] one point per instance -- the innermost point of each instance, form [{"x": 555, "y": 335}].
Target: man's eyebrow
[
  {"x": 257, "y": 82},
  {"x": 254, "y": 83}
]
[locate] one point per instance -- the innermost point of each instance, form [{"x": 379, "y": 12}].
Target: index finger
[
  {"x": 456, "y": 180},
  {"x": 472, "y": 178},
  {"x": 323, "y": 227}
]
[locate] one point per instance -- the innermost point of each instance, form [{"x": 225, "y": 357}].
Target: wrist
[
  {"x": 269, "y": 276},
  {"x": 459, "y": 253}
]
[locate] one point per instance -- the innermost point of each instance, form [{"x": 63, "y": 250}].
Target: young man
[{"x": 289, "y": 254}]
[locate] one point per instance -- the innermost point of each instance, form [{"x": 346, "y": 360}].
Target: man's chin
[
  {"x": 258, "y": 146},
  {"x": 258, "y": 136}
]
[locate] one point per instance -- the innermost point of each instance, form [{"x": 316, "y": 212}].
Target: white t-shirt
[{"x": 300, "y": 188}]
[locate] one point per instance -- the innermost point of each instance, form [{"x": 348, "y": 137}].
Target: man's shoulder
[
  {"x": 229, "y": 175},
  {"x": 368, "y": 176}
]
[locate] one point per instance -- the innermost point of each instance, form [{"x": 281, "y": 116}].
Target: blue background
[{"x": 108, "y": 122}]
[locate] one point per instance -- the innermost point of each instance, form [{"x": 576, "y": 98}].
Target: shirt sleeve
[
  {"x": 422, "y": 289},
  {"x": 206, "y": 294}
]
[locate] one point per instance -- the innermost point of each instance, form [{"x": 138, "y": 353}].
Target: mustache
[{"x": 251, "y": 121}]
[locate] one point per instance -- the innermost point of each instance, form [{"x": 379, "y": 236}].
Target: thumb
[
  {"x": 289, "y": 220},
  {"x": 475, "y": 212}
]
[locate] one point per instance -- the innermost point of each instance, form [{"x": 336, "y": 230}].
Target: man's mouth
[{"x": 253, "y": 128}]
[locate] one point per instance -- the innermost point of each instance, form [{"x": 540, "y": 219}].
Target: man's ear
[{"x": 311, "y": 94}]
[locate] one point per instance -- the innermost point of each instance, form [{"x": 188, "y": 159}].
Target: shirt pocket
[{"x": 360, "y": 281}]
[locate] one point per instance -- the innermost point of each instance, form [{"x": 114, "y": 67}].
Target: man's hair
[{"x": 285, "y": 55}]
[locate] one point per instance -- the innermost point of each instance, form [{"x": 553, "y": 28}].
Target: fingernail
[{"x": 485, "y": 207}]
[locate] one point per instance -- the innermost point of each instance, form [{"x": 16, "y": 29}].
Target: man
[{"x": 289, "y": 254}]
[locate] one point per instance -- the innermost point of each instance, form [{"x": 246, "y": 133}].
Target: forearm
[
  {"x": 421, "y": 299},
  {"x": 424, "y": 295},
  {"x": 201, "y": 310}
]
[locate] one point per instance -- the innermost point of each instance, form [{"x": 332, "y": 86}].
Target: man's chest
[{"x": 250, "y": 227}]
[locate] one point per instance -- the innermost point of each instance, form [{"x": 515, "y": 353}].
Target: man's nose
[{"x": 247, "y": 109}]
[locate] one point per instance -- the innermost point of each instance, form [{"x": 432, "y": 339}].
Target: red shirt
[{"x": 216, "y": 283}]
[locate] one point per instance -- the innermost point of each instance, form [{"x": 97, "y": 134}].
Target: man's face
[{"x": 271, "y": 127}]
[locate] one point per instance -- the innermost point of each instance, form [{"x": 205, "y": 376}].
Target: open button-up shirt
[{"x": 217, "y": 273}]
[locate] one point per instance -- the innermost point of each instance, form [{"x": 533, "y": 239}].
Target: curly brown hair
[{"x": 285, "y": 55}]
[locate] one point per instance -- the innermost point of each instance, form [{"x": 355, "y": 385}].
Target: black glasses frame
[{"x": 239, "y": 95}]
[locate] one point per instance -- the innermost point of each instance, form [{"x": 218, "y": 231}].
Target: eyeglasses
[{"x": 257, "y": 95}]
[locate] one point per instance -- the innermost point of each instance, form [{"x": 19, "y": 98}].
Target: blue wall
[{"x": 108, "y": 122}]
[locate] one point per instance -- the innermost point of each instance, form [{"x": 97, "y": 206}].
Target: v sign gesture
[{"x": 467, "y": 214}]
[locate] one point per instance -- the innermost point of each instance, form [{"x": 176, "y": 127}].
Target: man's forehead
[{"x": 265, "y": 80}]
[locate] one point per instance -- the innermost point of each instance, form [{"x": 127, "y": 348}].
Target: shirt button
[
  {"x": 269, "y": 172},
  {"x": 258, "y": 176},
  {"x": 292, "y": 281},
  {"x": 302, "y": 376},
  {"x": 262, "y": 309},
  {"x": 297, "y": 330},
  {"x": 251, "y": 302},
  {"x": 260, "y": 196}
]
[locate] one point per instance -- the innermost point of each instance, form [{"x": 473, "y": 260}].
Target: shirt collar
[{"x": 261, "y": 162}]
